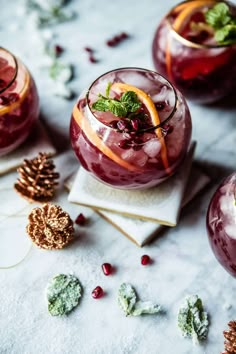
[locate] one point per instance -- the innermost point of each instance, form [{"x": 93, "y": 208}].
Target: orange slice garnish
[
  {"x": 186, "y": 9},
  {"x": 95, "y": 140},
  {"x": 147, "y": 101}
]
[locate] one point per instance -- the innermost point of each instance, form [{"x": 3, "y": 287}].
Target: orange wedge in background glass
[
  {"x": 186, "y": 9},
  {"x": 147, "y": 101},
  {"x": 96, "y": 141}
]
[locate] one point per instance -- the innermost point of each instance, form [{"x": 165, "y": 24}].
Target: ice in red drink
[
  {"x": 19, "y": 102},
  {"x": 221, "y": 224},
  {"x": 186, "y": 51},
  {"x": 139, "y": 148}
]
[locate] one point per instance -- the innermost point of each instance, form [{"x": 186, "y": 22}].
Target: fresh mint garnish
[
  {"x": 224, "y": 25},
  {"x": 127, "y": 300},
  {"x": 128, "y": 103},
  {"x": 63, "y": 294},
  {"x": 192, "y": 319}
]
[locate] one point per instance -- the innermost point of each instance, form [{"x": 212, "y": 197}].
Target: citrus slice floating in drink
[{"x": 147, "y": 101}]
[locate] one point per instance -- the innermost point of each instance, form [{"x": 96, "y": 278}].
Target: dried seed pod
[{"x": 50, "y": 227}]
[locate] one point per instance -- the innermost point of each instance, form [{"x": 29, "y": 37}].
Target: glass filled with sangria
[
  {"x": 221, "y": 224},
  {"x": 131, "y": 129},
  {"x": 195, "y": 48},
  {"x": 19, "y": 102}
]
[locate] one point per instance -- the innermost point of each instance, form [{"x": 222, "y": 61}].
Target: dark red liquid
[
  {"x": 202, "y": 74},
  {"x": 223, "y": 242},
  {"x": 19, "y": 109}
]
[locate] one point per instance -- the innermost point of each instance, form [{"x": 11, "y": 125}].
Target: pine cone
[
  {"x": 37, "y": 179},
  {"x": 230, "y": 336},
  {"x": 50, "y": 227}
]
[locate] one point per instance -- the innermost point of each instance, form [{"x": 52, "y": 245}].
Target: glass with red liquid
[
  {"x": 19, "y": 102},
  {"x": 221, "y": 224},
  {"x": 185, "y": 51},
  {"x": 135, "y": 151}
]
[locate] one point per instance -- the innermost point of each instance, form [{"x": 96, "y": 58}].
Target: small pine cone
[
  {"x": 37, "y": 179},
  {"x": 50, "y": 227},
  {"x": 230, "y": 336}
]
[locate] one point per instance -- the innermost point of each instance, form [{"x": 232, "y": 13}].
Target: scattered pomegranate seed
[
  {"x": 135, "y": 124},
  {"x": 92, "y": 59},
  {"x": 117, "y": 39},
  {"x": 80, "y": 220},
  {"x": 58, "y": 50},
  {"x": 88, "y": 49},
  {"x": 159, "y": 105},
  {"x": 145, "y": 259},
  {"x": 107, "y": 268},
  {"x": 97, "y": 292}
]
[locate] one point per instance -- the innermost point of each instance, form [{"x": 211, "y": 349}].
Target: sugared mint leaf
[
  {"x": 226, "y": 35},
  {"x": 145, "y": 307},
  {"x": 63, "y": 294},
  {"x": 218, "y": 16},
  {"x": 192, "y": 319},
  {"x": 127, "y": 298}
]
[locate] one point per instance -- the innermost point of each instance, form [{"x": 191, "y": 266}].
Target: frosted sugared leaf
[
  {"x": 192, "y": 319},
  {"x": 126, "y": 298},
  {"x": 145, "y": 307},
  {"x": 63, "y": 294}
]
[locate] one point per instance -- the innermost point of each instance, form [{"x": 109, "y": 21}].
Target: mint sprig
[
  {"x": 224, "y": 25},
  {"x": 128, "y": 103}
]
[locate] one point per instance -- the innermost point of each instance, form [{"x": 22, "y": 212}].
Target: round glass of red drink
[
  {"x": 131, "y": 129},
  {"x": 19, "y": 102},
  {"x": 221, "y": 224},
  {"x": 195, "y": 48}
]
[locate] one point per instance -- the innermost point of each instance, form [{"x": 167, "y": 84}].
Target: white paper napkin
[
  {"x": 161, "y": 204},
  {"x": 38, "y": 141}
]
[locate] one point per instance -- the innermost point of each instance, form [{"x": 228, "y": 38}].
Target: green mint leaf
[
  {"x": 117, "y": 108},
  {"x": 129, "y": 96},
  {"x": 192, "y": 319},
  {"x": 226, "y": 35},
  {"x": 218, "y": 16},
  {"x": 126, "y": 298},
  {"x": 133, "y": 107},
  {"x": 145, "y": 307},
  {"x": 63, "y": 294},
  {"x": 101, "y": 105},
  {"x": 108, "y": 89}
]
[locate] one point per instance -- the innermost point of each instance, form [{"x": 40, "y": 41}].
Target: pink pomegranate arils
[
  {"x": 145, "y": 260},
  {"x": 97, "y": 292},
  {"x": 58, "y": 50},
  {"x": 107, "y": 268},
  {"x": 88, "y": 49}
]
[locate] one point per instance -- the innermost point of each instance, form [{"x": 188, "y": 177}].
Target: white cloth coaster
[
  {"x": 161, "y": 204},
  {"x": 141, "y": 232},
  {"x": 38, "y": 141}
]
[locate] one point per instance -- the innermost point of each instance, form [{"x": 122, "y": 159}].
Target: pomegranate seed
[
  {"x": 159, "y": 105},
  {"x": 92, "y": 59},
  {"x": 97, "y": 292},
  {"x": 114, "y": 41},
  {"x": 135, "y": 124},
  {"x": 107, "y": 268},
  {"x": 113, "y": 124},
  {"x": 88, "y": 49},
  {"x": 80, "y": 220},
  {"x": 168, "y": 128},
  {"x": 9, "y": 98},
  {"x": 124, "y": 35},
  {"x": 58, "y": 50},
  {"x": 145, "y": 259},
  {"x": 110, "y": 43},
  {"x": 122, "y": 124},
  {"x": 125, "y": 144}
]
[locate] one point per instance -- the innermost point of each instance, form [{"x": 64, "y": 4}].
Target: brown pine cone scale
[{"x": 230, "y": 336}]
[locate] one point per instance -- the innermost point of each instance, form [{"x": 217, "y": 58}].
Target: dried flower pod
[
  {"x": 230, "y": 336},
  {"x": 37, "y": 179},
  {"x": 50, "y": 227}
]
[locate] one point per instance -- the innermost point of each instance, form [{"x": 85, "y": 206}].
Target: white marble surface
[{"x": 183, "y": 262}]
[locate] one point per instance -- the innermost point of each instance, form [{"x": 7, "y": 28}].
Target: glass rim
[
  {"x": 16, "y": 70},
  {"x": 137, "y": 69},
  {"x": 189, "y": 43}
]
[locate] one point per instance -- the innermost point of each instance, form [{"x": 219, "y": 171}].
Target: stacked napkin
[{"x": 139, "y": 214}]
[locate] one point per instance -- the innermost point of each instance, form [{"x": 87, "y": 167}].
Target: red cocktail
[
  {"x": 131, "y": 129},
  {"x": 19, "y": 103},
  {"x": 195, "y": 48},
  {"x": 221, "y": 224}
]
